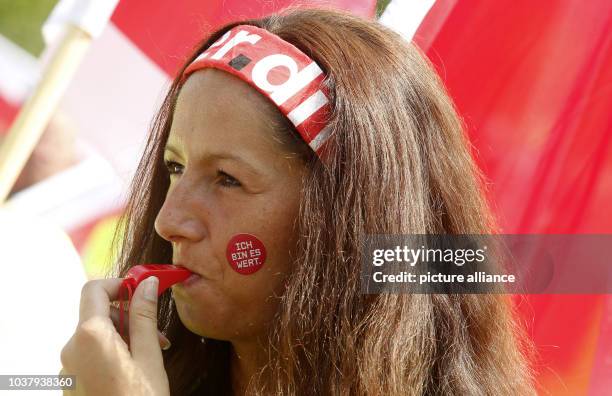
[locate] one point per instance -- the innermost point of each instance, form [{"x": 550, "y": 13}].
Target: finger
[
  {"x": 143, "y": 325},
  {"x": 70, "y": 392},
  {"x": 164, "y": 342},
  {"x": 96, "y": 296}
]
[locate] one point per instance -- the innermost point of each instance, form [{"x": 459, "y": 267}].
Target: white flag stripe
[
  {"x": 405, "y": 16},
  {"x": 19, "y": 72},
  {"x": 91, "y": 16}
]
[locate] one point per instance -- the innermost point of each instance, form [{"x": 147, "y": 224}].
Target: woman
[{"x": 377, "y": 149}]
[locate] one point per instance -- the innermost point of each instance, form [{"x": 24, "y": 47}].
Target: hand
[{"x": 100, "y": 359}]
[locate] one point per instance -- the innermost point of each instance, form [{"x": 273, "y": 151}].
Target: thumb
[{"x": 144, "y": 342}]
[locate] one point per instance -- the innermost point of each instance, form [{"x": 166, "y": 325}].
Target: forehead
[{"x": 216, "y": 108}]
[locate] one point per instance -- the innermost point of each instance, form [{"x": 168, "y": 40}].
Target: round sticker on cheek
[{"x": 245, "y": 253}]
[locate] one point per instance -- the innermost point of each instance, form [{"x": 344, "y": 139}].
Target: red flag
[
  {"x": 167, "y": 32},
  {"x": 533, "y": 81}
]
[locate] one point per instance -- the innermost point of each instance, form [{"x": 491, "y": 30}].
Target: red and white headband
[{"x": 277, "y": 69}]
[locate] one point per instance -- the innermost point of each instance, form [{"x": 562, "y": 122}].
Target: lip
[
  {"x": 191, "y": 280},
  {"x": 195, "y": 276}
]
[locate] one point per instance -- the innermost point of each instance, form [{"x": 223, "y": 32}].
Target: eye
[
  {"x": 227, "y": 180},
  {"x": 173, "y": 168}
]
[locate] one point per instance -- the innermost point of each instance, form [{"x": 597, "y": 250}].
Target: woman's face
[{"x": 228, "y": 176}]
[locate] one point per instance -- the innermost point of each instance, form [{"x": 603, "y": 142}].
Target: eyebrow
[{"x": 211, "y": 157}]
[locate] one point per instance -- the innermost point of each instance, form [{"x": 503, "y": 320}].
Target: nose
[{"x": 181, "y": 217}]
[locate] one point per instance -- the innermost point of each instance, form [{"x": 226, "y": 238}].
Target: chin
[{"x": 198, "y": 322}]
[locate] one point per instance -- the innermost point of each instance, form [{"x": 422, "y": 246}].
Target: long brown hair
[{"x": 398, "y": 162}]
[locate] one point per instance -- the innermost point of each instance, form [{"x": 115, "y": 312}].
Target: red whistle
[{"x": 167, "y": 274}]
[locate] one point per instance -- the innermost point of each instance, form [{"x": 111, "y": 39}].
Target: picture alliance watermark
[{"x": 502, "y": 263}]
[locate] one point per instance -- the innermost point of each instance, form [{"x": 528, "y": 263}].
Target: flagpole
[
  {"x": 38, "y": 109},
  {"x": 79, "y": 21}
]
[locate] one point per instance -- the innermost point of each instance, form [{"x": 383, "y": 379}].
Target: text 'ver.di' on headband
[{"x": 277, "y": 69}]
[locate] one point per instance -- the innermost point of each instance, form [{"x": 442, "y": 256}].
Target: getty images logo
[{"x": 265, "y": 61}]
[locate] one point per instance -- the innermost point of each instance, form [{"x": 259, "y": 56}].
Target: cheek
[
  {"x": 248, "y": 254},
  {"x": 242, "y": 300},
  {"x": 252, "y": 236}
]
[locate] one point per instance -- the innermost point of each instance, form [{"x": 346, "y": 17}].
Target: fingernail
[{"x": 150, "y": 291}]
